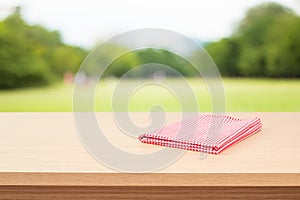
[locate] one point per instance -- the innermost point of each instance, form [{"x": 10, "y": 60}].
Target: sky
[{"x": 86, "y": 22}]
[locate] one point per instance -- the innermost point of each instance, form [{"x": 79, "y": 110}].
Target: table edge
[{"x": 147, "y": 179}]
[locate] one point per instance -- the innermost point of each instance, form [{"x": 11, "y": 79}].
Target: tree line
[
  {"x": 32, "y": 55},
  {"x": 266, "y": 43}
]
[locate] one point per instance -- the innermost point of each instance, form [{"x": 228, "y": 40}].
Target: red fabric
[{"x": 204, "y": 133}]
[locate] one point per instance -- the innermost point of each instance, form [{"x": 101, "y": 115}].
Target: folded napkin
[{"x": 205, "y": 133}]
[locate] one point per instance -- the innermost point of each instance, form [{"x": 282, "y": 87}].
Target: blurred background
[{"x": 255, "y": 45}]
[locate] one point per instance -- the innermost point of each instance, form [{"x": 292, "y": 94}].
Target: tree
[
  {"x": 225, "y": 54},
  {"x": 265, "y": 44},
  {"x": 18, "y": 64},
  {"x": 149, "y": 55},
  {"x": 167, "y": 58},
  {"x": 283, "y": 47},
  {"x": 33, "y": 55},
  {"x": 252, "y": 33},
  {"x": 66, "y": 58}
]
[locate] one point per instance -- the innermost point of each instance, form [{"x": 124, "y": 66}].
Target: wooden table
[{"x": 41, "y": 157}]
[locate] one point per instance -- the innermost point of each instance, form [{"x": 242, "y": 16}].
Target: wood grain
[
  {"x": 151, "y": 192},
  {"x": 148, "y": 179},
  {"x": 48, "y": 142},
  {"x": 41, "y": 154}
]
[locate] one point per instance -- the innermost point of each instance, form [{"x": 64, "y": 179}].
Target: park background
[{"x": 259, "y": 60}]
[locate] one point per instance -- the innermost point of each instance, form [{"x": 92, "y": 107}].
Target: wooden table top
[{"x": 44, "y": 149}]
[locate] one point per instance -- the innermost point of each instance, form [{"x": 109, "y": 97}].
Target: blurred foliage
[
  {"x": 283, "y": 48},
  {"x": 140, "y": 57},
  {"x": 266, "y": 43},
  {"x": 166, "y": 58},
  {"x": 32, "y": 55},
  {"x": 225, "y": 54}
]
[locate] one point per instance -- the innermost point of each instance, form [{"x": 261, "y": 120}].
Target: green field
[{"x": 241, "y": 95}]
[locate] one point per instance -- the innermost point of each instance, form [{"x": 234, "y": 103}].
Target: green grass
[{"x": 241, "y": 95}]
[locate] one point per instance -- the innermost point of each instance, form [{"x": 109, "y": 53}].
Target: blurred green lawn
[{"x": 241, "y": 95}]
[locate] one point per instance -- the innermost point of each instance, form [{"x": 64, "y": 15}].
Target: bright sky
[{"x": 84, "y": 22}]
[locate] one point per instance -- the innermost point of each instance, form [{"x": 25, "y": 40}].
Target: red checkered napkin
[{"x": 205, "y": 133}]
